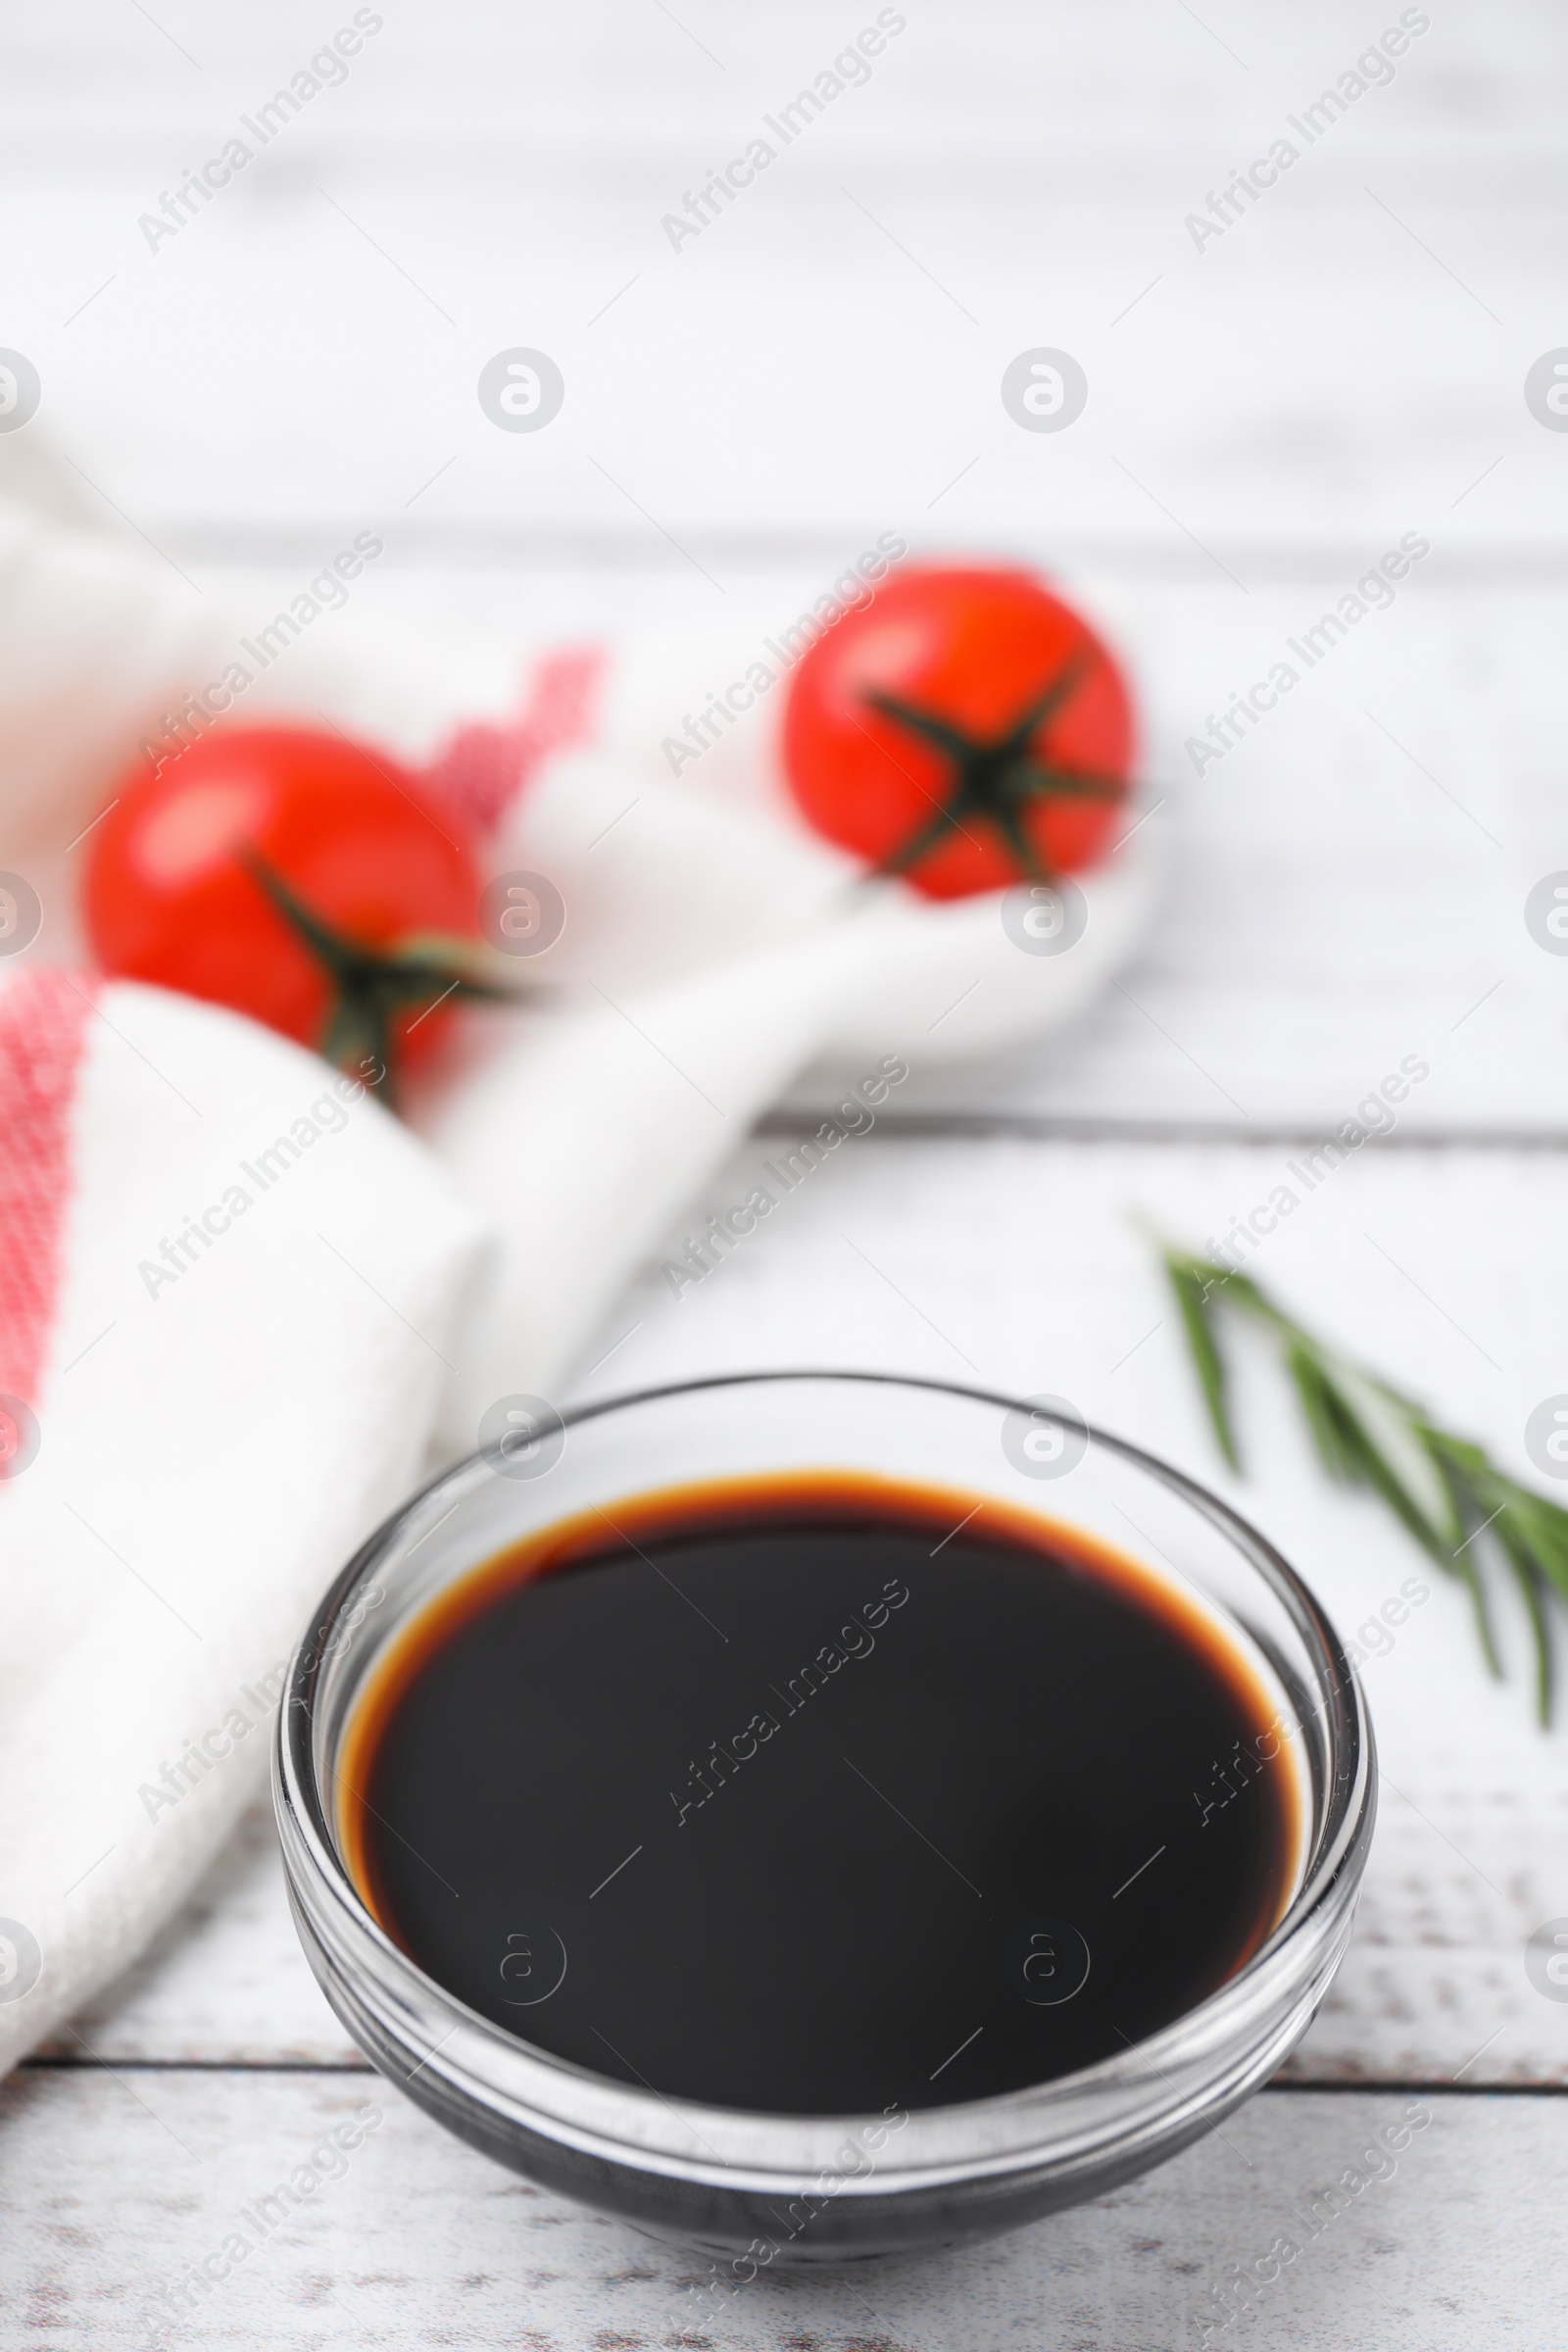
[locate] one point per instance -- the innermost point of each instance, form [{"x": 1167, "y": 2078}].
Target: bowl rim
[{"x": 641, "y": 2134}]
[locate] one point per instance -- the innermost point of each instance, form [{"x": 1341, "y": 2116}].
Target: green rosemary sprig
[{"x": 1445, "y": 1490}]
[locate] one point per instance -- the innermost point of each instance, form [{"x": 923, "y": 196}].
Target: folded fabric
[
  {"x": 710, "y": 952},
  {"x": 230, "y": 1286}
]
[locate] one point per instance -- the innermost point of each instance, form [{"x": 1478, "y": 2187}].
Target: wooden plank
[
  {"x": 1013, "y": 83},
  {"x": 1346, "y": 885},
  {"x": 1005, "y": 181},
  {"x": 120, "y": 2188},
  {"x": 801, "y": 329}
]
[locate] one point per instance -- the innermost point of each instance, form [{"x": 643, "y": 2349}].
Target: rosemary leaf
[
  {"x": 1192, "y": 1298},
  {"x": 1522, "y": 1560},
  {"x": 1394, "y": 1429},
  {"x": 1332, "y": 1424},
  {"x": 1543, "y": 1529},
  {"x": 1456, "y": 1464}
]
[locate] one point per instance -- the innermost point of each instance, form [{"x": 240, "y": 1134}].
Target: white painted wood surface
[
  {"x": 828, "y": 350},
  {"x": 1344, "y": 365},
  {"x": 132, "y": 2183}
]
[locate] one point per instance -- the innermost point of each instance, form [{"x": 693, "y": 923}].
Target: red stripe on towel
[
  {"x": 482, "y": 768},
  {"x": 43, "y": 1018}
]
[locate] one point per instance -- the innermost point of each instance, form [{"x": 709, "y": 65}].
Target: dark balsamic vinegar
[{"x": 780, "y": 1794}]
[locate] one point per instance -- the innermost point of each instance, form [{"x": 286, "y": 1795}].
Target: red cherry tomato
[
  {"x": 964, "y": 728},
  {"x": 227, "y": 875}
]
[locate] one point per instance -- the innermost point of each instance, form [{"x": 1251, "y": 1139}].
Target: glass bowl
[{"x": 758, "y": 2189}]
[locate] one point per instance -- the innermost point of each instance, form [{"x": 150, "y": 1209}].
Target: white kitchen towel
[
  {"x": 226, "y": 1397},
  {"x": 230, "y": 1286}
]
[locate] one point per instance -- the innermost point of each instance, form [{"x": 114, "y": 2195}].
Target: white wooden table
[{"x": 1267, "y": 413}]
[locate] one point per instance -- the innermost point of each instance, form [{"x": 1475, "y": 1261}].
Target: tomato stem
[
  {"x": 995, "y": 778},
  {"x": 371, "y": 985}
]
